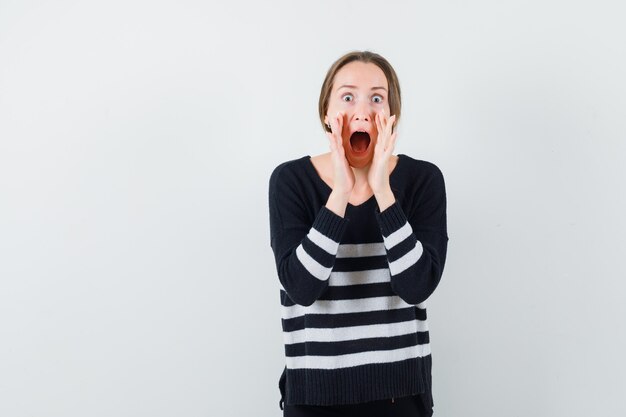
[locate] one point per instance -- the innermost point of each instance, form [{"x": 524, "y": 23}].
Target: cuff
[
  {"x": 330, "y": 224},
  {"x": 391, "y": 219}
]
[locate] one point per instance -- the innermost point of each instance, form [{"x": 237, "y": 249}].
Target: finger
[
  {"x": 383, "y": 131},
  {"x": 379, "y": 126},
  {"x": 335, "y": 139},
  {"x": 384, "y": 119},
  {"x": 392, "y": 143},
  {"x": 335, "y": 145},
  {"x": 388, "y": 133},
  {"x": 389, "y": 124},
  {"x": 331, "y": 141},
  {"x": 339, "y": 124},
  {"x": 392, "y": 120},
  {"x": 384, "y": 134},
  {"x": 340, "y": 129},
  {"x": 334, "y": 127},
  {"x": 380, "y": 139}
]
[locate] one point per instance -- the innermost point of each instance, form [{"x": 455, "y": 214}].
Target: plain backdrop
[{"x": 136, "y": 143}]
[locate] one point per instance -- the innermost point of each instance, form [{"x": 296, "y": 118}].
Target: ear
[{"x": 326, "y": 119}]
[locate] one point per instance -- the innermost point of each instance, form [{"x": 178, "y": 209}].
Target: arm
[
  {"x": 416, "y": 245},
  {"x": 305, "y": 252}
]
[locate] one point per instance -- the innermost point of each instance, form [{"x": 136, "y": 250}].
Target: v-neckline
[{"x": 329, "y": 189}]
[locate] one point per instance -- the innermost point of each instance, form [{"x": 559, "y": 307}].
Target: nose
[{"x": 363, "y": 113}]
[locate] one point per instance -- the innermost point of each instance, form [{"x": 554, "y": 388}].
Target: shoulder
[
  {"x": 424, "y": 193},
  {"x": 285, "y": 172},
  {"x": 421, "y": 171}
]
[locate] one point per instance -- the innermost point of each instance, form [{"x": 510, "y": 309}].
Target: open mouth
[{"x": 359, "y": 142}]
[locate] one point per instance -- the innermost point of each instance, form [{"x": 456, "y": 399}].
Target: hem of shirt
[{"x": 357, "y": 384}]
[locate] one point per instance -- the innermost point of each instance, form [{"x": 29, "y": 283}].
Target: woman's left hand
[{"x": 378, "y": 175}]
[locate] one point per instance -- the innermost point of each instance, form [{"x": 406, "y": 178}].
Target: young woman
[{"x": 360, "y": 238}]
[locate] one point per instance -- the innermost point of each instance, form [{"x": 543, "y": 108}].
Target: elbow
[
  {"x": 410, "y": 295},
  {"x": 303, "y": 301},
  {"x": 303, "y": 284},
  {"x": 303, "y": 292},
  {"x": 415, "y": 286},
  {"x": 301, "y": 298}
]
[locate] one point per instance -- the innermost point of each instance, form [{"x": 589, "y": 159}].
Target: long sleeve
[
  {"x": 416, "y": 243},
  {"x": 305, "y": 251}
]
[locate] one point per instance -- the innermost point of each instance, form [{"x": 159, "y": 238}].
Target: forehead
[{"x": 360, "y": 74}]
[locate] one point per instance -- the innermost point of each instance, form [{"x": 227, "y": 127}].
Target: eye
[
  {"x": 380, "y": 98},
  {"x": 346, "y": 95}
]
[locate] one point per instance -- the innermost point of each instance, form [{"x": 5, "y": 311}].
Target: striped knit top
[{"x": 353, "y": 288}]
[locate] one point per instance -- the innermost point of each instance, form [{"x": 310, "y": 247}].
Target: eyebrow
[{"x": 354, "y": 86}]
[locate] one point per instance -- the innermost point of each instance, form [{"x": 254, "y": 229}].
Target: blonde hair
[{"x": 395, "y": 102}]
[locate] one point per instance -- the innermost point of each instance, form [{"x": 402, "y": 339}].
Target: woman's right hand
[{"x": 343, "y": 177}]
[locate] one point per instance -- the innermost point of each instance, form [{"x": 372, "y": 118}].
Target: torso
[{"x": 323, "y": 166}]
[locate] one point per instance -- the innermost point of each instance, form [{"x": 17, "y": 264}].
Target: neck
[{"x": 360, "y": 179}]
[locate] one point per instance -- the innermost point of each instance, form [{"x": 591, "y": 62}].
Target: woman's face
[{"x": 360, "y": 91}]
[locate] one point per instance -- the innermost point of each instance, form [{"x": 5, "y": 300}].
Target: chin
[{"x": 359, "y": 162}]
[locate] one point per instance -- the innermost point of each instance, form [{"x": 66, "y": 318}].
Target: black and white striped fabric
[{"x": 353, "y": 289}]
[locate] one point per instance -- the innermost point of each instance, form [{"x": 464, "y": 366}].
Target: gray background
[{"x": 136, "y": 143}]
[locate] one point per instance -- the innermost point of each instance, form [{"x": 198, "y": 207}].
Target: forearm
[
  {"x": 305, "y": 260},
  {"x": 337, "y": 203},
  {"x": 416, "y": 257},
  {"x": 385, "y": 198}
]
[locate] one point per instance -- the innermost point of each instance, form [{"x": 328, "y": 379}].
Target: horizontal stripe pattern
[
  {"x": 398, "y": 236},
  {"x": 356, "y": 359},
  {"x": 314, "y": 321},
  {"x": 411, "y": 249},
  {"x": 361, "y": 250},
  {"x": 343, "y": 348},
  {"x": 355, "y": 332},
  {"x": 317, "y": 253},
  {"x": 345, "y": 306},
  {"x": 326, "y": 243},
  {"x": 358, "y": 319},
  {"x": 416, "y": 257},
  {"x": 354, "y": 318},
  {"x": 312, "y": 265},
  {"x": 407, "y": 260}
]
